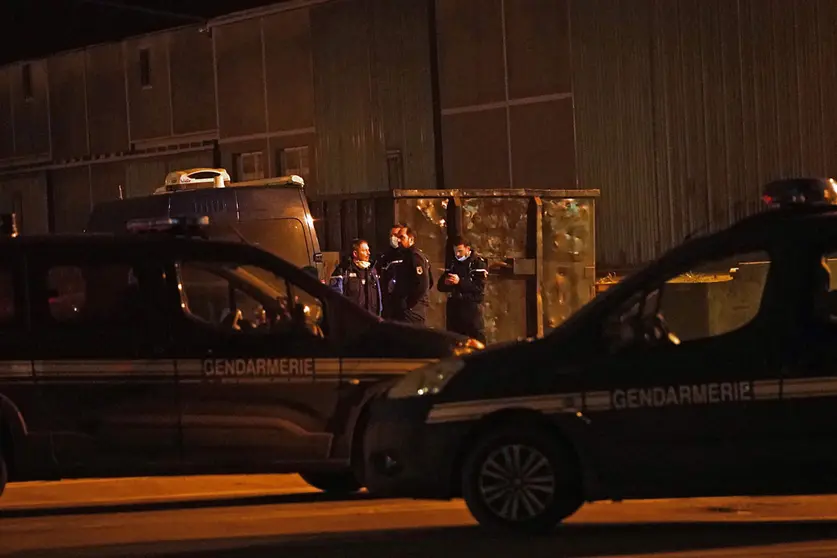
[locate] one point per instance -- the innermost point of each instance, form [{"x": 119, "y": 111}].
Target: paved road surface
[{"x": 225, "y": 517}]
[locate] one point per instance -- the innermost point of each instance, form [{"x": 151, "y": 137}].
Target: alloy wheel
[{"x": 517, "y": 482}]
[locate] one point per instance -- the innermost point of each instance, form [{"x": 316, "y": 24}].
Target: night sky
[{"x": 36, "y": 28}]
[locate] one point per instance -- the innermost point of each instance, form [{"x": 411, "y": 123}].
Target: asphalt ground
[{"x": 279, "y": 515}]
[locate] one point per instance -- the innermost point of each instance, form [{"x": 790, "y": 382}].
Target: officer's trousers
[
  {"x": 465, "y": 317},
  {"x": 415, "y": 315}
]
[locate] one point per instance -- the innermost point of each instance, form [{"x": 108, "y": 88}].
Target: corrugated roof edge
[{"x": 234, "y": 17}]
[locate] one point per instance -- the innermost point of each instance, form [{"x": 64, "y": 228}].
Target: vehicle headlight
[
  {"x": 426, "y": 380},
  {"x": 468, "y": 347}
]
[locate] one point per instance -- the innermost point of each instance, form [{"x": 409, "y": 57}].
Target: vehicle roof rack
[{"x": 289, "y": 180}]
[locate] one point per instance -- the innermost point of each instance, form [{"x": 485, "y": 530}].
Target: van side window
[
  {"x": 230, "y": 297},
  {"x": 105, "y": 294},
  {"x": 283, "y": 237}
]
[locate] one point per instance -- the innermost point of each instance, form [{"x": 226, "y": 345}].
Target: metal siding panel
[
  {"x": 290, "y": 88},
  {"x": 241, "y": 96},
  {"x": 475, "y": 149},
  {"x": 764, "y": 66},
  {"x": 786, "y": 84},
  {"x": 809, "y": 86},
  {"x": 26, "y": 195},
  {"x": 715, "y": 98},
  {"x": 827, "y": 43},
  {"x": 105, "y": 179},
  {"x": 150, "y": 107},
  {"x": 732, "y": 111},
  {"x": 542, "y": 144},
  {"x": 68, "y": 120},
  {"x": 400, "y": 67},
  {"x": 350, "y": 141},
  {"x": 106, "y": 99},
  {"x": 696, "y": 192},
  {"x": 737, "y": 100},
  {"x": 192, "y": 81},
  {"x": 470, "y": 52},
  {"x": 749, "y": 92},
  {"x": 7, "y": 149},
  {"x": 537, "y": 44},
  {"x": 71, "y": 198},
  {"x": 612, "y": 70},
  {"x": 666, "y": 73},
  {"x": 31, "y": 116}
]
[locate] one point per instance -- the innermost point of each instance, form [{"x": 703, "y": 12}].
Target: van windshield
[{"x": 282, "y": 237}]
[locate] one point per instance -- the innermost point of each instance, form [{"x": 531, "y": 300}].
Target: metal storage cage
[{"x": 540, "y": 245}]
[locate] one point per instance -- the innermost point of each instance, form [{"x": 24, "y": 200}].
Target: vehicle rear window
[
  {"x": 284, "y": 237},
  {"x": 93, "y": 295}
]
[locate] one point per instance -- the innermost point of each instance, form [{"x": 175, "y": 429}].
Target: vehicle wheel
[
  {"x": 521, "y": 480},
  {"x": 4, "y": 474},
  {"x": 333, "y": 482}
]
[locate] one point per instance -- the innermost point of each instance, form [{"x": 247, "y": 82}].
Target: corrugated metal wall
[
  {"x": 26, "y": 195},
  {"x": 372, "y": 94},
  {"x": 685, "y": 108}
]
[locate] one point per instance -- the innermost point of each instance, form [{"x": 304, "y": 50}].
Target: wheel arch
[
  {"x": 12, "y": 430},
  {"x": 357, "y": 420}
]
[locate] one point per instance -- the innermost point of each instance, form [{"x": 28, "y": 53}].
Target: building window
[
  {"x": 145, "y": 67},
  {"x": 294, "y": 160},
  {"x": 26, "y": 78},
  {"x": 249, "y": 166},
  {"x": 395, "y": 170}
]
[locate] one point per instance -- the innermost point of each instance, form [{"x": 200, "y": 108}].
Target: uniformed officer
[
  {"x": 413, "y": 281},
  {"x": 385, "y": 265},
  {"x": 465, "y": 281},
  {"x": 357, "y": 280}
]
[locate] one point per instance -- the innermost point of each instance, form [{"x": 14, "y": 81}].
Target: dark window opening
[
  {"x": 395, "y": 170},
  {"x": 145, "y": 67},
  {"x": 295, "y": 160},
  {"x": 26, "y": 77},
  {"x": 249, "y": 166},
  {"x": 99, "y": 296}
]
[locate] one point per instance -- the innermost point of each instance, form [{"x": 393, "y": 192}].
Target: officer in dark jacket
[
  {"x": 357, "y": 280},
  {"x": 465, "y": 281},
  {"x": 413, "y": 281},
  {"x": 385, "y": 265}
]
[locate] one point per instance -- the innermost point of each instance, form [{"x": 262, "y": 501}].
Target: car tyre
[
  {"x": 333, "y": 482},
  {"x": 521, "y": 479}
]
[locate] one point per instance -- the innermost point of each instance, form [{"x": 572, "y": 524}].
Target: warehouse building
[{"x": 677, "y": 110}]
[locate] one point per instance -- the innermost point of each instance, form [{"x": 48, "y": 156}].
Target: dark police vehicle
[
  {"x": 271, "y": 212},
  {"x": 160, "y": 353},
  {"x": 622, "y": 403}
]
